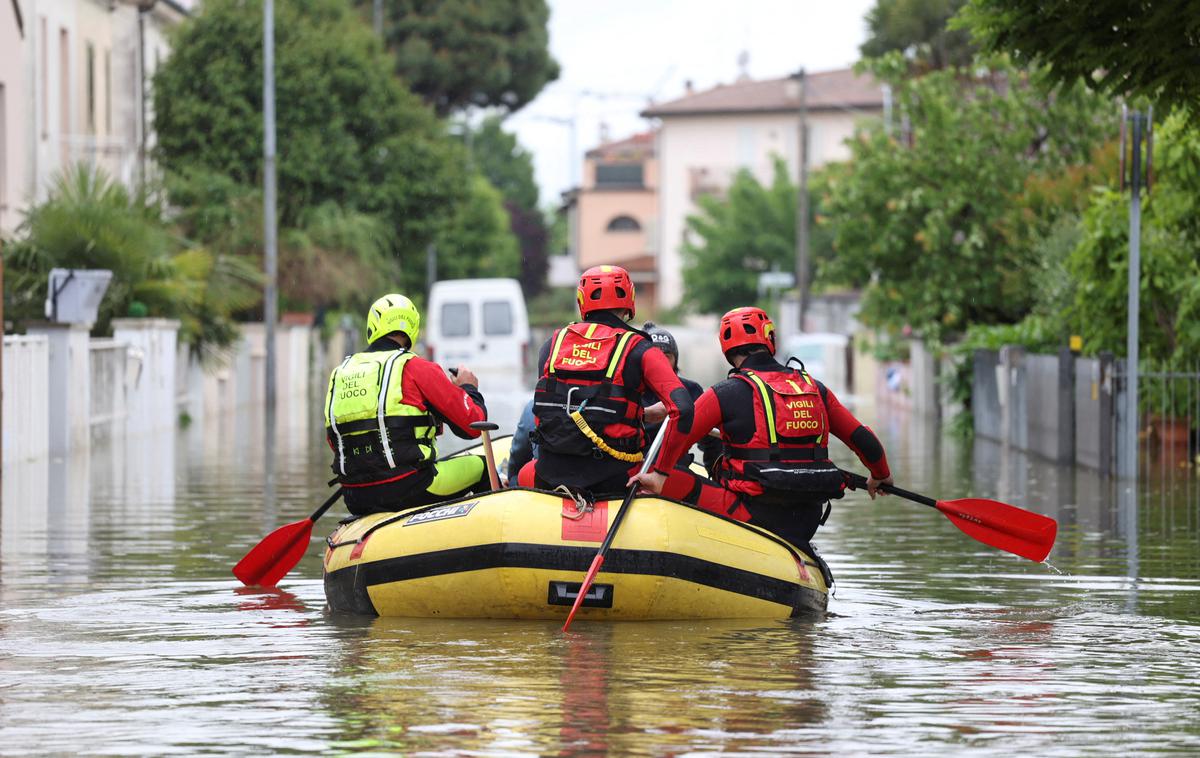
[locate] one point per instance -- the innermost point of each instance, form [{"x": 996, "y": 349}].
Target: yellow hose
[{"x": 577, "y": 417}]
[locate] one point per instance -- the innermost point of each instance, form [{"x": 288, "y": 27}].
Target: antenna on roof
[{"x": 743, "y": 61}]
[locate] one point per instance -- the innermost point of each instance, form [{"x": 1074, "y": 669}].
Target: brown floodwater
[{"x": 123, "y": 632}]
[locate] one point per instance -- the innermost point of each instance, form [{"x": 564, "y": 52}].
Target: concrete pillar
[
  {"x": 1107, "y": 398},
  {"x": 1066, "y": 407},
  {"x": 1016, "y": 411},
  {"x": 152, "y": 399},
  {"x": 26, "y": 399},
  {"x": 69, "y": 385}
]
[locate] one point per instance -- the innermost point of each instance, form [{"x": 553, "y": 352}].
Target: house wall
[
  {"x": 45, "y": 78},
  {"x": 13, "y": 126},
  {"x": 704, "y": 153},
  {"x": 597, "y": 245}
]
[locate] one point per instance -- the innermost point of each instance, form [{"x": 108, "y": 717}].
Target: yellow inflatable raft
[{"x": 521, "y": 553}]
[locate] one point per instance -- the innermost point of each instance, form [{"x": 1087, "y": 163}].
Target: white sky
[{"x": 615, "y": 55}]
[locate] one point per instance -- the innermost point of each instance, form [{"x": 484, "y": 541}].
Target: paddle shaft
[
  {"x": 860, "y": 481},
  {"x": 598, "y": 561},
  {"x": 318, "y": 513},
  {"x": 484, "y": 427}
]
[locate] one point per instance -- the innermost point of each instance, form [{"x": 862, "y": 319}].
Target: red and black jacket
[
  {"x": 639, "y": 368},
  {"x": 736, "y": 408},
  {"x": 789, "y": 448},
  {"x": 585, "y": 372}
]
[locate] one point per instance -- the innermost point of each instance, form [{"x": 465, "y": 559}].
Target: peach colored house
[
  {"x": 705, "y": 138},
  {"x": 613, "y": 215}
]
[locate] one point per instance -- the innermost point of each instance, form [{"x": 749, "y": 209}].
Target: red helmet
[
  {"x": 747, "y": 326},
  {"x": 605, "y": 287}
]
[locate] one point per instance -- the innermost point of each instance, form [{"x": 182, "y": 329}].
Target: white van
[{"x": 483, "y": 324}]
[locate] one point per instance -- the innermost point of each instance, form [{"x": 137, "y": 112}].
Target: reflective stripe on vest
[
  {"x": 329, "y": 418},
  {"x": 768, "y": 406},
  {"x": 381, "y": 407},
  {"x": 371, "y": 384},
  {"x": 585, "y": 374}
]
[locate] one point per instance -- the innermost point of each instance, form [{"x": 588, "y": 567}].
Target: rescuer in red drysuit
[
  {"x": 774, "y": 423},
  {"x": 588, "y": 401}
]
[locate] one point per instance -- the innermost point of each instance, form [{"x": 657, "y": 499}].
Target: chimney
[{"x": 688, "y": 89}]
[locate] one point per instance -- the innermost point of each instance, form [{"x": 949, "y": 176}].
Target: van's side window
[
  {"x": 456, "y": 319},
  {"x": 497, "y": 317}
]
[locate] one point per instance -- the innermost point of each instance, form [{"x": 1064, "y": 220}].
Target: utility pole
[
  {"x": 270, "y": 245},
  {"x": 430, "y": 270},
  {"x": 144, "y": 7},
  {"x": 1139, "y": 123},
  {"x": 802, "y": 202},
  {"x": 378, "y": 19}
]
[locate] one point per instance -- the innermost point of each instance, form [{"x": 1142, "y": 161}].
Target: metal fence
[
  {"x": 1072, "y": 410},
  {"x": 1169, "y": 422}
]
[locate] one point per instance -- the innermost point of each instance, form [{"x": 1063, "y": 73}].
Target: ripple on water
[{"x": 120, "y": 619}]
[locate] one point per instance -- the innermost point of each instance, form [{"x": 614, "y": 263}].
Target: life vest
[
  {"x": 375, "y": 434},
  {"x": 789, "y": 451},
  {"x": 582, "y": 402}
]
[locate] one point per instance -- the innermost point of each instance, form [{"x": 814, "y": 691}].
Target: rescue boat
[{"x": 522, "y": 553}]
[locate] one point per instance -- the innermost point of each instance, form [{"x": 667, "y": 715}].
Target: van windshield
[
  {"x": 497, "y": 317},
  {"x": 456, "y": 319}
]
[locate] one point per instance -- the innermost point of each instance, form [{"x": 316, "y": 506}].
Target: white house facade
[
  {"x": 74, "y": 75},
  {"x": 705, "y": 138}
]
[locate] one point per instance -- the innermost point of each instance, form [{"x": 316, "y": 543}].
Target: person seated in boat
[
  {"x": 383, "y": 411},
  {"x": 588, "y": 399},
  {"x": 523, "y": 449},
  {"x": 665, "y": 341},
  {"x": 774, "y": 422}
]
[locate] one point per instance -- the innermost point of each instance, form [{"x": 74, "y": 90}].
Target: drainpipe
[{"x": 144, "y": 7}]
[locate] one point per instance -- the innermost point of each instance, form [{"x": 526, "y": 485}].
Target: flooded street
[{"x": 122, "y": 630}]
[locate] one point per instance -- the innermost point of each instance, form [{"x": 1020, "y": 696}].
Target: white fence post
[
  {"x": 69, "y": 383},
  {"x": 152, "y": 400},
  {"x": 26, "y": 398}
]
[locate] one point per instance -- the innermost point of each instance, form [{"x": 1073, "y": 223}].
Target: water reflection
[{"x": 624, "y": 688}]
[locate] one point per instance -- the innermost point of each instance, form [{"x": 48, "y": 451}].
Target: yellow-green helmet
[{"x": 393, "y": 313}]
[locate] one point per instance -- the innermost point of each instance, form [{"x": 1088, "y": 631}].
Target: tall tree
[
  {"x": 504, "y": 161},
  {"x": 917, "y": 28},
  {"x": 349, "y": 133},
  {"x": 509, "y": 167},
  {"x": 1170, "y": 282},
  {"x": 458, "y": 53},
  {"x": 478, "y": 242},
  {"x": 1149, "y": 48},
  {"x": 936, "y": 221}
]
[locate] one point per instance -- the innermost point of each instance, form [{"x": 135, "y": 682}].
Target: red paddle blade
[
  {"x": 278, "y": 553},
  {"x": 1003, "y": 526},
  {"x": 597, "y": 562}
]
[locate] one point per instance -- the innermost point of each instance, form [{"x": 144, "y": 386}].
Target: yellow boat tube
[{"x": 522, "y": 553}]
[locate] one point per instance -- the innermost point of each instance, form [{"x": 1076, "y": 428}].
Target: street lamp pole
[
  {"x": 1128, "y": 460},
  {"x": 270, "y": 245},
  {"x": 802, "y": 252}
]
